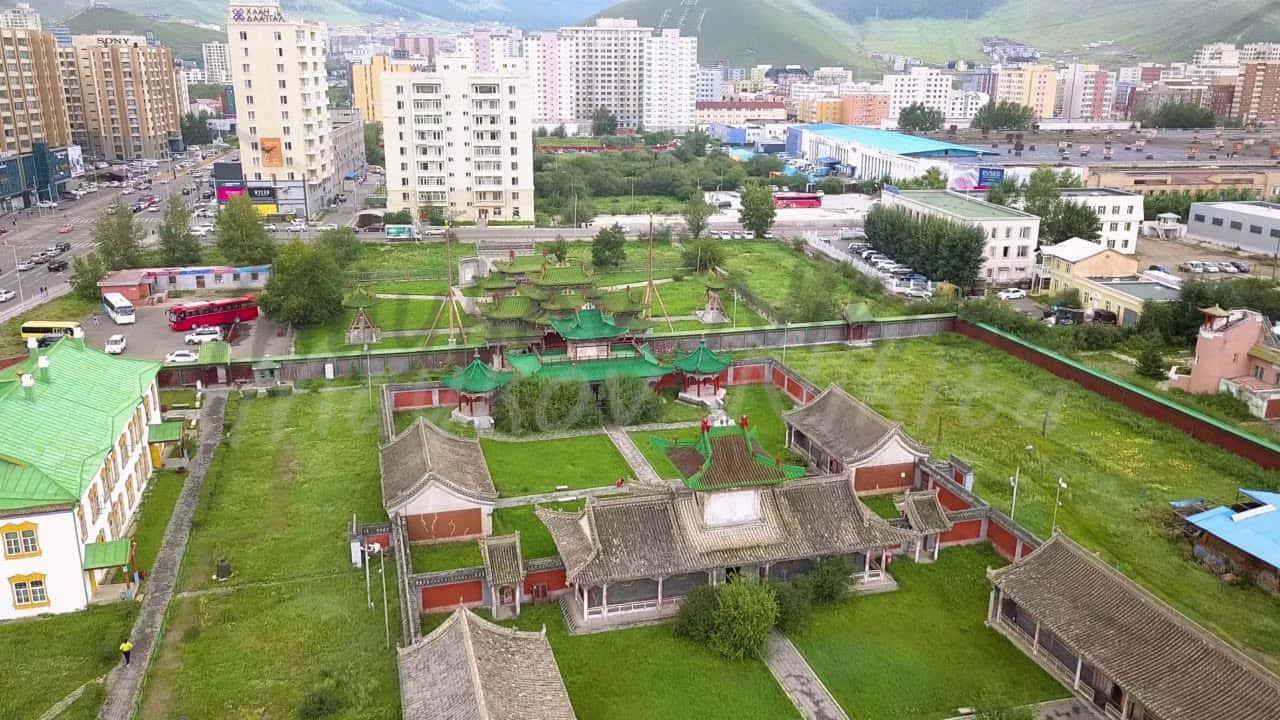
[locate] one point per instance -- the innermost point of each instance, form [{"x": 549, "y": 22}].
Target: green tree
[
  {"x": 195, "y": 128},
  {"x": 1040, "y": 194},
  {"x": 559, "y": 248},
  {"x": 810, "y": 297},
  {"x": 559, "y": 132},
  {"x": 1068, "y": 220},
  {"x": 373, "y": 144},
  {"x": 338, "y": 96},
  {"x": 831, "y": 579},
  {"x": 932, "y": 179},
  {"x": 118, "y": 240},
  {"x": 757, "y": 211},
  {"x": 745, "y": 613},
  {"x": 341, "y": 244},
  {"x": 761, "y": 165},
  {"x": 630, "y": 401},
  {"x": 696, "y": 619},
  {"x": 1004, "y": 115},
  {"x": 1179, "y": 115},
  {"x": 603, "y": 122},
  {"x": 89, "y": 270},
  {"x": 1151, "y": 359},
  {"x": 434, "y": 214},
  {"x": 1007, "y": 193},
  {"x": 696, "y": 212},
  {"x": 177, "y": 245},
  {"x": 305, "y": 286},
  {"x": 240, "y": 234},
  {"x": 702, "y": 254},
  {"x": 918, "y": 117},
  {"x": 608, "y": 248},
  {"x": 696, "y": 142},
  {"x": 795, "y": 604},
  {"x": 831, "y": 186}
]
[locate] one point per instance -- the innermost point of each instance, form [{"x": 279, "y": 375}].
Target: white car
[
  {"x": 154, "y": 208},
  {"x": 25, "y": 265},
  {"x": 296, "y": 227},
  {"x": 1012, "y": 294},
  {"x": 202, "y": 335},
  {"x": 917, "y": 292},
  {"x": 127, "y": 191},
  {"x": 115, "y": 345},
  {"x": 268, "y": 227},
  {"x": 326, "y": 226},
  {"x": 7, "y": 295},
  {"x": 202, "y": 231},
  {"x": 181, "y": 356},
  {"x": 47, "y": 204}
]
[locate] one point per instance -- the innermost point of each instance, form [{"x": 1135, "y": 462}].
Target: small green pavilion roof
[
  {"x": 641, "y": 365},
  {"x": 701, "y": 360},
  {"x": 108, "y": 554},
  {"x": 215, "y": 353},
  {"x": 563, "y": 276},
  {"x": 510, "y": 307},
  {"x": 164, "y": 432},
  {"x": 477, "y": 378},
  {"x": 266, "y": 364},
  {"x": 859, "y": 312},
  {"x": 588, "y": 324},
  {"x": 359, "y": 298}
]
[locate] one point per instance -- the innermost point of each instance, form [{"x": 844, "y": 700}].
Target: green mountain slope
[{"x": 184, "y": 39}]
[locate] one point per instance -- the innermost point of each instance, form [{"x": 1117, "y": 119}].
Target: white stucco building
[{"x": 1120, "y": 214}]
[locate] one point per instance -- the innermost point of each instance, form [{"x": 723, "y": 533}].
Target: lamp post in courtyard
[
  {"x": 1057, "y": 503},
  {"x": 1013, "y": 482}
]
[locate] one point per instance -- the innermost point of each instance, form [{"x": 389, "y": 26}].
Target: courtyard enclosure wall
[{"x": 1198, "y": 426}]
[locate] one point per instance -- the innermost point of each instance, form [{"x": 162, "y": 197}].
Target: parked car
[
  {"x": 58, "y": 265},
  {"x": 39, "y": 258},
  {"x": 1240, "y": 266},
  {"x": 115, "y": 345},
  {"x": 26, "y": 265},
  {"x": 7, "y": 295},
  {"x": 918, "y": 292},
  {"x": 47, "y": 205},
  {"x": 1158, "y": 268},
  {"x": 296, "y": 226},
  {"x": 268, "y": 227},
  {"x": 202, "y": 231},
  {"x": 333, "y": 226},
  {"x": 62, "y": 246},
  {"x": 181, "y": 356},
  {"x": 202, "y": 335},
  {"x": 768, "y": 235},
  {"x": 430, "y": 231},
  {"x": 1011, "y": 294},
  {"x": 1227, "y": 268},
  {"x": 64, "y": 229},
  {"x": 1209, "y": 267}
]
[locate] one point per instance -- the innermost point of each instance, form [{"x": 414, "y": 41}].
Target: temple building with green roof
[
  {"x": 475, "y": 385},
  {"x": 595, "y": 347},
  {"x": 698, "y": 367},
  {"x": 75, "y": 430}
]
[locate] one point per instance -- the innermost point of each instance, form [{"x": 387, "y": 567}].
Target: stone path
[
  {"x": 639, "y": 465},
  {"x": 65, "y": 702},
  {"x": 799, "y": 682},
  {"x": 559, "y": 496},
  {"x": 124, "y": 684},
  {"x": 561, "y": 435}
]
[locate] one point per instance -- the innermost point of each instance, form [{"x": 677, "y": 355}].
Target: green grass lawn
[
  {"x": 445, "y": 556},
  {"x": 535, "y": 540},
  {"x": 648, "y": 672},
  {"x": 86, "y": 706},
  {"x": 763, "y": 405},
  {"x": 276, "y": 503},
  {"x": 67, "y": 308},
  {"x": 169, "y": 398},
  {"x": 635, "y": 263},
  {"x": 410, "y": 287},
  {"x": 157, "y": 506},
  {"x": 882, "y": 505},
  {"x": 895, "y": 656},
  {"x": 386, "y": 314},
  {"x": 638, "y": 205},
  {"x": 681, "y": 297},
  {"x": 524, "y": 468},
  {"x": 658, "y": 459},
  {"x": 426, "y": 258},
  {"x": 56, "y": 654},
  {"x": 1122, "y": 468},
  {"x": 440, "y": 416}
]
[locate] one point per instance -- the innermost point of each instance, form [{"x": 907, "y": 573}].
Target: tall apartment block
[
  {"x": 278, "y": 70},
  {"x": 1035, "y": 86},
  {"x": 216, "y": 67},
  {"x": 32, "y": 107},
  {"x": 1257, "y": 93},
  {"x": 366, "y": 84},
  {"x": 461, "y": 139},
  {"x": 20, "y": 17},
  {"x": 647, "y": 79},
  {"x": 123, "y": 102}
]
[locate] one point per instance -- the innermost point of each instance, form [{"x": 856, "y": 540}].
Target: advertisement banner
[
  {"x": 60, "y": 167},
  {"x": 990, "y": 176},
  {"x": 272, "y": 152},
  {"x": 226, "y": 192},
  {"x": 75, "y": 156},
  {"x": 265, "y": 210},
  {"x": 263, "y": 195}
]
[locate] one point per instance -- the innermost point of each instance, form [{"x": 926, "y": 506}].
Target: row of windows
[
  {"x": 1237, "y": 225},
  {"x": 20, "y": 541}
]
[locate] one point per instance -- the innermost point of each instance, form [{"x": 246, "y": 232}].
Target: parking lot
[
  {"x": 1172, "y": 253},
  {"x": 150, "y": 337}
]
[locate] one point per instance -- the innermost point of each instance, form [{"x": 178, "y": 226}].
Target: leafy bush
[
  {"x": 1066, "y": 298},
  {"x": 702, "y": 254},
  {"x": 696, "y": 620},
  {"x": 745, "y": 613},
  {"x": 1098, "y": 336},
  {"x": 1151, "y": 360},
  {"x": 399, "y": 217},
  {"x": 319, "y": 703},
  {"x": 830, "y": 579},
  {"x": 630, "y": 401},
  {"x": 1221, "y": 404},
  {"x": 795, "y": 604},
  {"x": 536, "y": 404}
]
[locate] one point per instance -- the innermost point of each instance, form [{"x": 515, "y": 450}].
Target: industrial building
[{"x": 1252, "y": 226}]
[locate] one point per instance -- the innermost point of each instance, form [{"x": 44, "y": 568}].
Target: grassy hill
[{"x": 184, "y": 39}]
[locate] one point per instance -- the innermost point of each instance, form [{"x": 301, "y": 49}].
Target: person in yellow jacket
[{"x": 126, "y": 648}]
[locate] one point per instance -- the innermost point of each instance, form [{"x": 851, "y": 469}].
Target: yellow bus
[{"x": 41, "y": 329}]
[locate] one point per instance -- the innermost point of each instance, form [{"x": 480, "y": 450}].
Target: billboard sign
[
  {"x": 272, "y": 152},
  {"x": 60, "y": 165},
  {"x": 399, "y": 232},
  {"x": 265, "y": 210},
  {"x": 75, "y": 158},
  {"x": 226, "y": 192},
  {"x": 263, "y": 194},
  {"x": 990, "y": 176}
]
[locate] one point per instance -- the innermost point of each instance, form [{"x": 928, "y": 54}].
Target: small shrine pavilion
[
  {"x": 361, "y": 331},
  {"x": 476, "y": 385},
  {"x": 698, "y": 367}
]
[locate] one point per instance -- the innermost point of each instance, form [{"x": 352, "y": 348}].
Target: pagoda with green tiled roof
[
  {"x": 476, "y": 385},
  {"x": 724, "y": 457}
]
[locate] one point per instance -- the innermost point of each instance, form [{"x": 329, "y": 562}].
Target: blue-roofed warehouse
[
  {"x": 869, "y": 153},
  {"x": 1243, "y": 539}
]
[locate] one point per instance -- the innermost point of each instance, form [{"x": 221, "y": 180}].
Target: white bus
[{"x": 119, "y": 309}]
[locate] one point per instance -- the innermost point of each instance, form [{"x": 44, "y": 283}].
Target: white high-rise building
[
  {"x": 965, "y": 104},
  {"x": 278, "y": 69},
  {"x": 461, "y": 139},
  {"x": 216, "y": 67},
  {"x": 831, "y": 76},
  {"x": 20, "y": 17},
  {"x": 710, "y": 84},
  {"x": 926, "y": 85},
  {"x": 645, "y": 79},
  {"x": 1085, "y": 92},
  {"x": 490, "y": 48},
  {"x": 1218, "y": 54}
]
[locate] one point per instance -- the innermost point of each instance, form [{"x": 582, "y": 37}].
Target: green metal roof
[
  {"x": 266, "y": 364},
  {"x": 477, "y": 378},
  {"x": 510, "y": 307},
  {"x": 215, "y": 353},
  {"x": 762, "y": 470},
  {"x": 588, "y": 324},
  {"x": 164, "y": 432},
  {"x": 52, "y": 444},
  {"x": 859, "y": 312},
  {"x": 623, "y": 301},
  {"x": 108, "y": 554},
  {"x": 520, "y": 264},
  {"x": 563, "y": 276},
  {"x": 702, "y": 360},
  {"x": 642, "y": 365}
]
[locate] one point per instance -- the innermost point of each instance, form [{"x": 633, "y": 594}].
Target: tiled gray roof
[
  {"x": 846, "y": 427},
  {"x": 651, "y": 534},
  {"x": 424, "y": 453},
  {"x": 925, "y": 512},
  {"x": 502, "y": 562},
  {"x": 1169, "y": 664},
  {"x": 470, "y": 669}
]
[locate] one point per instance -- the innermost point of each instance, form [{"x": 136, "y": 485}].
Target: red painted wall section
[
  {"x": 553, "y": 578},
  {"x": 779, "y": 379},
  {"x": 1273, "y": 409},
  {"x": 1026, "y": 550},
  {"x": 11, "y": 361},
  {"x": 1002, "y": 540},
  {"x": 747, "y": 374},
  {"x": 410, "y": 399},
  {"x": 445, "y": 525},
  {"x": 449, "y": 596},
  {"x": 950, "y": 500},
  {"x": 882, "y": 478},
  {"x": 382, "y": 539},
  {"x": 963, "y": 532},
  {"x": 448, "y": 397}
]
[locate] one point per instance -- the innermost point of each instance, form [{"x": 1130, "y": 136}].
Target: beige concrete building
[
  {"x": 127, "y": 106},
  {"x": 29, "y": 69},
  {"x": 278, "y": 70},
  {"x": 729, "y": 112},
  {"x": 1264, "y": 180},
  {"x": 348, "y": 142},
  {"x": 1106, "y": 279},
  {"x": 1035, "y": 86},
  {"x": 461, "y": 139},
  {"x": 366, "y": 84},
  {"x": 216, "y": 67}
]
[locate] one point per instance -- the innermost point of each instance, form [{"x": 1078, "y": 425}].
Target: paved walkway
[
  {"x": 559, "y": 496},
  {"x": 396, "y": 296},
  {"x": 799, "y": 682},
  {"x": 124, "y": 684},
  {"x": 639, "y": 465}
]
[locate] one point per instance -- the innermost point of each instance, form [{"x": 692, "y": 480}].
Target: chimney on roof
[
  {"x": 43, "y": 363},
  {"x": 28, "y": 386},
  {"x": 32, "y": 345}
]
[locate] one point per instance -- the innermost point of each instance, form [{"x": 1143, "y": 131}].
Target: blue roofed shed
[{"x": 1243, "y": 539}]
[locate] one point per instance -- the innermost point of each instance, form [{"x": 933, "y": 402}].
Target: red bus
[
  {"x": 797, "y": 200},
  {"x": 224, "y": 311}
]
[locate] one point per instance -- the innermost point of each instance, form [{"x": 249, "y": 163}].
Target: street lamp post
[
  {"x": 1057, "y": 503},
  {"x": 21, "y": 297},
  {"x": 1013, "y": 481}
]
